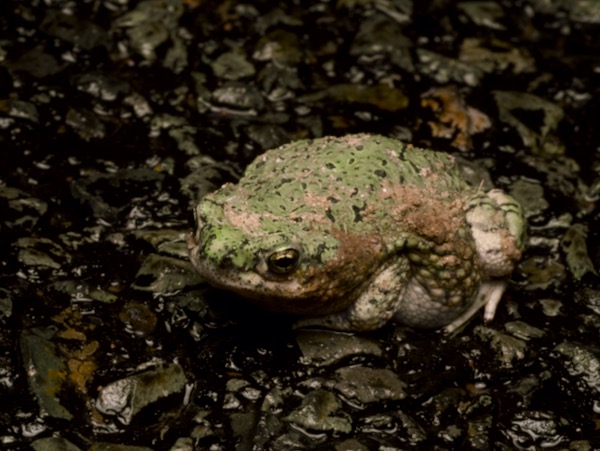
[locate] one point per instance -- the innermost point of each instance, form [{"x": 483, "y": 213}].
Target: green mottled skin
[{"x": 380, "y": 230}]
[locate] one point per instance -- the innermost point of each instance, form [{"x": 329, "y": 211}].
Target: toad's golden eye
[{"x": 283, "y": 261}]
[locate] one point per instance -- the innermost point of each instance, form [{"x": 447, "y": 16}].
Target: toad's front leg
[{"x": 376, "y": 304}]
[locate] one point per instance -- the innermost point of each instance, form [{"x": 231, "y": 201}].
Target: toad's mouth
[{"x": 283, "y": 296}]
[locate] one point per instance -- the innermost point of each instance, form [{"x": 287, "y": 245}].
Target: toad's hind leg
[{"x": 488, "y": 295}]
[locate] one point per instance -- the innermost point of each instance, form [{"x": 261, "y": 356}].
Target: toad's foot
[{"x": 489, "y": 295}]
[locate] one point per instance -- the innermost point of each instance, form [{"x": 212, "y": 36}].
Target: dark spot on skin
[
  {"x": 319, "y": 252},
  {"x": 329, "y": 214},
  {"x": 357, "y": 213},
  {"x": 330, "y": 166},
  {"x": 226, "y": 261},
  {"x": 414, "y": 166},
  {"x": 283, "y": 181},
  {"x": 333, "y": 200},
  {"x": 359, "y": 147},
  {"x": 380, "y": 173}
]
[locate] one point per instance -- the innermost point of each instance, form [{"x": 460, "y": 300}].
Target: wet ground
[{"x": 116, "y": 116}]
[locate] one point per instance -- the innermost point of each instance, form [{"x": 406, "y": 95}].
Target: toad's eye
[{"x": 283, "y": 261}]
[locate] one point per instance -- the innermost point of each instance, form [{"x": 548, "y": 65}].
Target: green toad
[{"x": 354, "y": 231}]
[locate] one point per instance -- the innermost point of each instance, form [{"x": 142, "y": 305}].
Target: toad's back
[{"x": 357, "y": 181}]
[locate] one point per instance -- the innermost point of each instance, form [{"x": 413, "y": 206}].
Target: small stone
[
  {"x": 508, "y": 349},
  {"x": 233, "y": 65},
  {"x": 139, "y": 318},
  {"x": 54, "y": 444},
  {"x": 322, "y": 348},
  {"x": 368, "y": 385},
  {"x": 523, "y": 330},
  {"x": 125, "y": 398},
  {"x": 316, "y": 413},
  {"x": 160, "y": 274}
]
